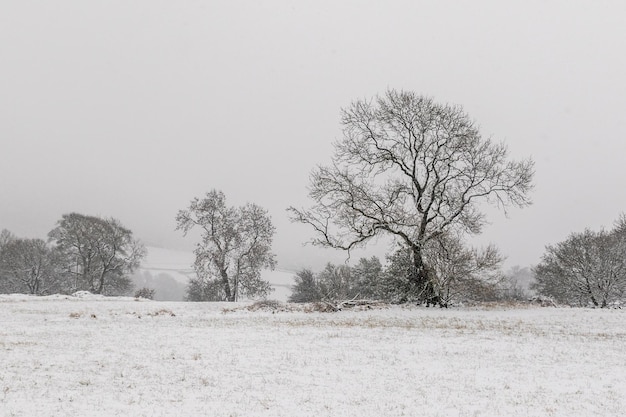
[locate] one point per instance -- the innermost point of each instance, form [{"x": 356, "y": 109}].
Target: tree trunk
[
  {"x": 226, "y": 283},
  {"x": 423, "y": 281},
  {"x": 590, "y": 292},
  {"x": 99, "y": 287}
]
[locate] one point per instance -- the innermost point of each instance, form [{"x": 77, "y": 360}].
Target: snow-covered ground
[{"x": 92, "y": 356}]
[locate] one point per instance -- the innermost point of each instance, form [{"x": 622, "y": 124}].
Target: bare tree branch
[
  {"x": 411, "y": 168},
  {"x": 236, "y": 245}
]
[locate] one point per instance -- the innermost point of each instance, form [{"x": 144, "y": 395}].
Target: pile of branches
[
  {"x": 329, "y": 306},
  {"x": 356, "y": 304},
  {"x": 543, "y": 301}
]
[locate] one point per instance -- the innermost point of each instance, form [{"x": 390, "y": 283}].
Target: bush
[
  {"x": 307, "y": 288},
  {"x": 147, "y": 293}
]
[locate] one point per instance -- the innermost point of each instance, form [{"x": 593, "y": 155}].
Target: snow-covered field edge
[{"x": 94, "y": 356}]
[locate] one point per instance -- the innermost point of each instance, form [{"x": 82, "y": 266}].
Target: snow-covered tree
[
  {"x": 235, "y": 246},
  {"x": 588, "y": 268},
  {"x": 30, "y": 266},
  {"x": 100, "y": 253},
  {"x": 5, "y": 237},
  {"x": 368, "y": 275},
  {"x": 412, "y": 169},
  {"x": 306, "y": 288}
]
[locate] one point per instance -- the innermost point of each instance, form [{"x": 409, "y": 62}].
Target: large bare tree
[
  {"x": 236, "y": 245},
  {"x": 413, "y": 169},
  {"x": 101, "y": 253}
]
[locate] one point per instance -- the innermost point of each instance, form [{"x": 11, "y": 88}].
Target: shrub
[{"x": 147, "y": 293}]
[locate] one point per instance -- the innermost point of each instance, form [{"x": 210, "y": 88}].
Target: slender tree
[{"x": 413, "y": 169}]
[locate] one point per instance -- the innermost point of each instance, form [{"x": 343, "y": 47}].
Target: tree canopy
[
  {"x": 101, "y": 253},
  {"x": 413, "y": 169},
  {"x": 30, "y": 266},
  {"x": 235, "y": 246},
  {"x": 587, "y": 268}
]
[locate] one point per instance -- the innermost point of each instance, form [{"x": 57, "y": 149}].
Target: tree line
[
  {"x": 82, "y": 253},
  {"x": 406, "y": 167},
  {"x": 370, "y": 280}
]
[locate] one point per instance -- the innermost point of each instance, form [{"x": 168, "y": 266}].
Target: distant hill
[{"x": 168, "y": 272}]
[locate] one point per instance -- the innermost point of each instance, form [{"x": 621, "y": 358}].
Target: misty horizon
[{"x": 130, "y": 111}]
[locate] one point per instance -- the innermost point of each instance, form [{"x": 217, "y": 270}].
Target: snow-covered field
[{"x": 66, "y": 356}]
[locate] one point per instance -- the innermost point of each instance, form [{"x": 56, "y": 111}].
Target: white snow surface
[{"x": 98, "y": 356}]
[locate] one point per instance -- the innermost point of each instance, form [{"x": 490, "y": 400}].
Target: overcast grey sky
[{"x": 131, "y": 108}]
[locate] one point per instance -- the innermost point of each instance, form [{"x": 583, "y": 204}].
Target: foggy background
[{"x": 129, "y": 109}]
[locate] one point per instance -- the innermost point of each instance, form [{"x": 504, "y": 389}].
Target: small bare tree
[
  {"x": 31, "y": 266},
  {"x": 413, "y": 169},
  {"x": 586, "y": 268},
  {"x": 462, "y": 273},
  {"x": 6, "y": 286},
  {"x": 306, "y": 289},
  {"x": 5, "y": 237},
  {"x": 336, "y": 283},
  {"x": 368, "y": 276},
  {"x": 235, "y": 247}
]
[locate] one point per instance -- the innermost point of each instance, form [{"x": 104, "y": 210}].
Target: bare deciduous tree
[
  {"x": 518, "y": 283},
  {"x": 461, "y": 273},
  {"x": 31, "y": 266},
  {"x": 5, "y": 284},
  {"x": 5, "y": 237},
  {"x": 413, "y": 169},
  {"x": 235, "y": 247},
  {"x": 101, "y": 253},
  {"x": 368, "y": 276},
  {"x": 336, "y": 283},
  {"x": 586, "y": 268},
  {"x": 306, "y": 289}
]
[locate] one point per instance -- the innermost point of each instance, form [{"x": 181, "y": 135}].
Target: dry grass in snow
[{"x": 62, "y": 356}]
